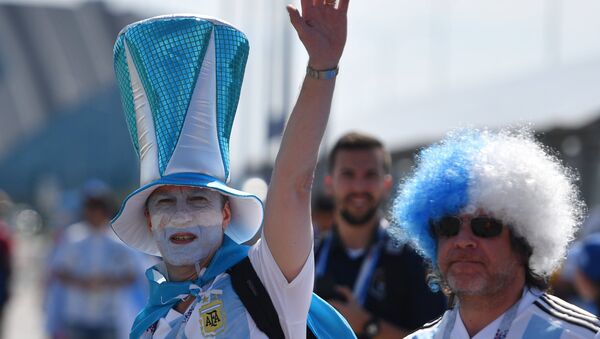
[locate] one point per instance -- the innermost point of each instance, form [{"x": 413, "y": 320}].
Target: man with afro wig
[{"x": 493, "y": 213}]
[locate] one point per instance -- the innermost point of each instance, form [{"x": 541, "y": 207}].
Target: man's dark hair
[
  {"x": 102, "y": 203},
  {"x": 522, "y": 247},
  {"x": 359, "y": 141}
]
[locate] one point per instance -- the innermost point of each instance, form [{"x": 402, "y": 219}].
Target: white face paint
[{"x": 187, "y": 223}]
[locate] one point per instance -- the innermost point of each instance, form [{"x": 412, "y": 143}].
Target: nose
[
  {"x": 465, "y": 238},
  {"x": 359, "y": 185},
  {"x": 181, "y": 218}
]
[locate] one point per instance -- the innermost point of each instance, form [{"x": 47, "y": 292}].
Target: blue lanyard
[{"x": 367, "y": 269}]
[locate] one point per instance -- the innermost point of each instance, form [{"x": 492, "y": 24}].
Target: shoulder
[
  {"x": 270, "y": 274},
  {"x": 428, "y": 330},
  {"x": 75, "y": 232},
  {"x": 567, "y": 315},
  {"x": 291, "y": 299}
]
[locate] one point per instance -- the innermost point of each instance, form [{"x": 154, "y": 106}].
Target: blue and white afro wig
[{"x": 508, "y": 175}]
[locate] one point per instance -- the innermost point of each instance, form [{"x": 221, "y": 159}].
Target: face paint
[
  {"x": 187, "y": 223},
  {"x": 199, "y": 244}
]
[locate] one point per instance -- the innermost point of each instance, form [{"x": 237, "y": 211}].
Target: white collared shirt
[{"x": 539, "y": 315}]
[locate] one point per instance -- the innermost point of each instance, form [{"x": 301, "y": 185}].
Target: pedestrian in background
[
  {"x": 587, "y": 273},
  {"x": 378, "y": 285}
]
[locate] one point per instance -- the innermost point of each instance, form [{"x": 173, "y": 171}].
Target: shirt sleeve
[{"x": 290, "y": 299}]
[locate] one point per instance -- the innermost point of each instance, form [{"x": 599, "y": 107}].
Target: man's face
[
  {"x": 187, "y": 222},
  {"x": 358, "y": 184},
  {"x": 476, "y": 266}
]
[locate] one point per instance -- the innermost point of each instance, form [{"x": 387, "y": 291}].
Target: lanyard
[
  {"x": 367, "y": 269},
  {"x": 505, "y": 323}
]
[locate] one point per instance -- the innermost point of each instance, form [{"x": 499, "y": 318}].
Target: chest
[{"x": 217, "y": 312}]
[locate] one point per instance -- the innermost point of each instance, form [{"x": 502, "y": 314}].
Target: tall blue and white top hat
[{"x": 180, "y": 79}]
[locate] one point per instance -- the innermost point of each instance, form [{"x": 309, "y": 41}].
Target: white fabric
[
  {"x": 144, "y": 124},
  {"x": 526, "y": 314},
  {"x": 199, "y": 133},
  {"x": 291, "y": 300}
]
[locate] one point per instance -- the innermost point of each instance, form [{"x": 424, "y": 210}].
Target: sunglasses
[{"x": 482, "y": 227}]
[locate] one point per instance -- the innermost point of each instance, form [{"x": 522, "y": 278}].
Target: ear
[
  {"x": 148, "y": 220},
  {"x": 328, "y": 181},
  {"x": 226, "y": 215},
  {"x": 388, "y": 183}
]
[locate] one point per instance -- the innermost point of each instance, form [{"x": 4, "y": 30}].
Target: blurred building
[
  {"x": 433, "y": 66},
  {"x": 577, "y": 147},
  {"x": 61, "y": 117}
]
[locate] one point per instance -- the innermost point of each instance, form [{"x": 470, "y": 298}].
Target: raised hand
[
  {"x": 287, "y": 226},
  {"x": 322, "y": 28}
]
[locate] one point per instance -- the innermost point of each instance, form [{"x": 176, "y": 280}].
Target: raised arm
[{"x": 322, "y": 29}]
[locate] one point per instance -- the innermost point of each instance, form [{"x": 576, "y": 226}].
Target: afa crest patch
[{"x": 212, "y": 318}]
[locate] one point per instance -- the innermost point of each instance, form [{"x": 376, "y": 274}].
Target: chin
[
  {"x": 358, "y": 220},
  {"x": 467, "y": 285}
]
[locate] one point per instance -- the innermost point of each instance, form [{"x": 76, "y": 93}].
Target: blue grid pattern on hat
[
  {"x": 232, "y": 53},
  {"x": 124, "y": 82},
  {"x": 168, "y": 54}
]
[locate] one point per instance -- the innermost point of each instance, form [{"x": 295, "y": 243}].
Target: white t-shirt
[
  {"x": 219, "y": 313},
  {"x": 539, "y": 315}
]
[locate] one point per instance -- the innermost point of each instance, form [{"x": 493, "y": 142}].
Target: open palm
[{"x": 322, "y": 28}]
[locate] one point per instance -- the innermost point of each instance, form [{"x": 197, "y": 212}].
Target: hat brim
[{"x": 131, "y": 226}]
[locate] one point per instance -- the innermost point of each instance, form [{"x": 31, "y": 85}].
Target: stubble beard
[
  {"x": 481, "y": 285},
  {"x": 355, "y": 219},
  {"x": 358, "y": 220}
]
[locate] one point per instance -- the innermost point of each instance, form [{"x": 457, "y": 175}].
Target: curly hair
[{"x": 507, "y": 174}]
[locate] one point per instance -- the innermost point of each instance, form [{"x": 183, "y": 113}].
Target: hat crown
[{"x": 180, "y": 78}]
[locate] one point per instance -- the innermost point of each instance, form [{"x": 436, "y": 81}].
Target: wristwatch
[
  {"x": 325, "y": 74},
  {"x": 371, "y": 328}
]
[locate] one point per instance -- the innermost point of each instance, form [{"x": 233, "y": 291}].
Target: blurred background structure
[{"x": 412, "y": 70}]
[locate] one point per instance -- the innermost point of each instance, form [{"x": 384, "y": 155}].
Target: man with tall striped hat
[{"x": 180, "y": 80}]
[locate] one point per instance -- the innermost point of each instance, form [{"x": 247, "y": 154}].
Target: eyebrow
[
  {"x": 158, "y": 195},
  {"x": 203, "y": 192}
]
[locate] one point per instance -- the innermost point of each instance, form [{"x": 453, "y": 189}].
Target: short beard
[
  {"x": 358, "y": 221},
  {"x": 497, "y": 283}
]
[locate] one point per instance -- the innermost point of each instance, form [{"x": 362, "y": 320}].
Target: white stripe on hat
[
  {"x": 145, "y": 125},
  {"x": 199, "y": 133}
]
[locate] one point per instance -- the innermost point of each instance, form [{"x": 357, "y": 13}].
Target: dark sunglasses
[{"x": 449, "y": 226}]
